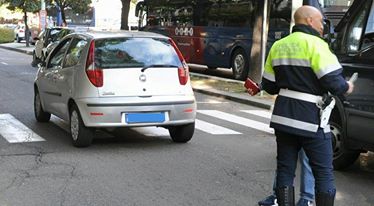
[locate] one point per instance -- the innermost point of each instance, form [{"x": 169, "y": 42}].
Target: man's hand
[
  {"x": 251, "y": 92},
  {"x": 350, "y": 87},
  {"x": 251, "y": 86}
]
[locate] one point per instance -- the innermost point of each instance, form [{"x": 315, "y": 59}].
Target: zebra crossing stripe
[
  {"x": 152, "y": 131},
  {"x": 260, "y": 113},
  {"x": 199, "y": 124},
  {"x": 15, "y": 131},
  {"x": 238, "y": 120},
  {"x": 212, "y": 128}
]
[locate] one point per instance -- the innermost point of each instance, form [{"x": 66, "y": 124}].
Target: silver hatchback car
[{"x": 116, "y": 79}]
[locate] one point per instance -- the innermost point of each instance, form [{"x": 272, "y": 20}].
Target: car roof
[{"x": 120, "y": 33}]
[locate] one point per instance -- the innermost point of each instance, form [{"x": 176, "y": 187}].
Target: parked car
[
  {"x": 46, "y": 41},
  {"x": 120, "y": 79},
  {"x": 19, "y": 32},
  {"x": 352, "y": 120}
]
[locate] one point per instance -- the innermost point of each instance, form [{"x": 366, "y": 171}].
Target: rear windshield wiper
[{"x": 158, "y": 65}]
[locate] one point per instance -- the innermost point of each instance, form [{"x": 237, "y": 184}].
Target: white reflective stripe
[
  {"x": 300, "y": 95},
  {"x": 323, "y": 71},
  {"x": 212, "y": 128},
  {"x": 291, "y": 62},
  {"x": 294, "y": 123},
  {"x": 15, "y": 131},
  {"x": 269, "y": 77},
  {"x": 327, "y": 129}
]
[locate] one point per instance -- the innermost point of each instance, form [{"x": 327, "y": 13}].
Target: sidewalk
[{"x": 241, "y": 97}]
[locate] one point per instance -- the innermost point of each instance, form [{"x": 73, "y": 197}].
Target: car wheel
[
  {"x": 182, "y": 133},
  {"x": 40, "y": 114},
  {"x": 18, "y": 39},
  {"x": 239, "y": 64},
  {"x": 343, "y": 157},
  {"x": 82, "y": 136}
]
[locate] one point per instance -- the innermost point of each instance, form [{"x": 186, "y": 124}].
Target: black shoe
[
  {"x": 268, "y": 201},
  {"x": 285, "y": 196},
  {"x": 325, "y": 199}
]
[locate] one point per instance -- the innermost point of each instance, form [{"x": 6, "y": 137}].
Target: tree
[
  {"x": 80, "y": 6},
  {"x": 125, "y": 13},
  {"x": 25, "y": 6}
]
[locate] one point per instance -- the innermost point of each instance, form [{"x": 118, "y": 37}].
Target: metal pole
[{"x": 42, "y": 5}]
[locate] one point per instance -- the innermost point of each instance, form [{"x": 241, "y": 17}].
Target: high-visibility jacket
[{"x": 301, "y": 62}]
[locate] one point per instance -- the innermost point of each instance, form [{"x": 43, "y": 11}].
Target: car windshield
[{"x": 134, "y": 52}]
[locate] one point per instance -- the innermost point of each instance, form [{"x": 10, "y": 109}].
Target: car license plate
[{"x": 145, "y": 117}]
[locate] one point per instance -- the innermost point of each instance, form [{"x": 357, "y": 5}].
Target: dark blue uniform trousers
[{"x": 319, "y": 152}]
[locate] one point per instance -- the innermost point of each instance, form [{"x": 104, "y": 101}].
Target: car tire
[
  {"x": 182, "y": 133},
  {"x": 40, "y": 114},
  {"x": 239, "y": 64},
  {"x": 18, "y": 39},
  {"x": 81, "y": 135},
  {"x": 342, "y": 157}
]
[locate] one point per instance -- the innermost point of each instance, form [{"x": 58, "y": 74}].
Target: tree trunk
[
  {"x": 259, "y": 41},
  {"x": 125, "y": 14},
  {"x": 26, "y": 30},
  {"x": 63, "y": 17}
]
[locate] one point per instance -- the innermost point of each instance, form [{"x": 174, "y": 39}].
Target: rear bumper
[{"x": 109, "y": 112}]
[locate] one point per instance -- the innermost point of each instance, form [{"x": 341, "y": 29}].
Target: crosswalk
[{"x": 15, "y": 131}]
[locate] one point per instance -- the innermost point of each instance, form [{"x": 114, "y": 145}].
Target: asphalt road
[{"x": 226, "y": 163}]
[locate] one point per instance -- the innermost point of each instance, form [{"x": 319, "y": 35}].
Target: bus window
[
  {"x": 368, "y": 39},
  {"x": 280, "y": 17},
  {"x": 355, "y": 30}
]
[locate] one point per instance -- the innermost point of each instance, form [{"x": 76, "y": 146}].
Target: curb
[
  {"x": 247, "y": 101},
  {"x": 16, "y": 49},
  {"x": 240, "y": 98}
]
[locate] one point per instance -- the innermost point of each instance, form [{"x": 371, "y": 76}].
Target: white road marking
[
  {"x": 212, "y": 128},
  {"x": 212, "y": 102},
  {"x": 261, "y": 113},
  {"x": 152, "y": 131},
  {"x": 238, "y": 120},
  {"x": 15, "y": 131},
  {"x": 4, "y": 63}
]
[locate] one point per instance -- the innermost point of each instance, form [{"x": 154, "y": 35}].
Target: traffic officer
[{"x": 300, "y": 68}]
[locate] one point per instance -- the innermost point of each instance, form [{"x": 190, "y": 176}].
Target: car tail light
[
  {"x": 94, "y": 74},
  {"x": 183, "y": 73}
]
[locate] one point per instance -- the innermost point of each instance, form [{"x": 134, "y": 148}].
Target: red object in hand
[{"x": 251, "y": 86}]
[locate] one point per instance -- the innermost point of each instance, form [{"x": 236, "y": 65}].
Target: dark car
[
  {"x": 352, "y": 121},
  {"x": 47, "y": 37}
]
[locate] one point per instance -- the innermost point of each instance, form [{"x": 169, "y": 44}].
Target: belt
[{"x": 301, "y": 96}]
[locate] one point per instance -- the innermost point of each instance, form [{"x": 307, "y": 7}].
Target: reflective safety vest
[{"x": 300, "y": 68}]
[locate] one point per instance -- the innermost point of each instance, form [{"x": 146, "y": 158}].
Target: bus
[
  {"x": 216, "y": 33},
  {"x": 334, "y": 10}
]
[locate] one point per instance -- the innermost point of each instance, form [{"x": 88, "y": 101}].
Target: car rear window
[{"x": 134, "y": 52}]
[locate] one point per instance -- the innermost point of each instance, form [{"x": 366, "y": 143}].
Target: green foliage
[
  {"x": 6, "y": 35},
  {"x": 23, "y": 5},
  {"x": 80, "y": 6}
]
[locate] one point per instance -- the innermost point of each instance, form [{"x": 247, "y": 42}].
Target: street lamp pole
[{"x": 42, "y": 15}]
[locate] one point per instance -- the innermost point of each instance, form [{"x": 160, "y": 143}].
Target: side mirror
[{"x": 328, "y": 31}]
